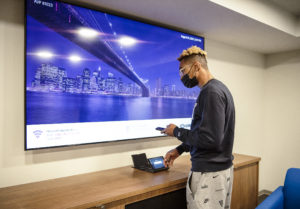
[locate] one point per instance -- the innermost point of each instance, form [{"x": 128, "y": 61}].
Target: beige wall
[
  {"x": 243, "y": 71},
  {"x": 281, "y": 141}
]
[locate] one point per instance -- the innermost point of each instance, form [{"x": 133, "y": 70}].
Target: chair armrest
[{"x": 273, "y": 201}]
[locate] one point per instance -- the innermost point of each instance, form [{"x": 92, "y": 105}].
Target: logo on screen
[
  {"x": 187, "y": 126},
  {"x": 37, "y": 133}
]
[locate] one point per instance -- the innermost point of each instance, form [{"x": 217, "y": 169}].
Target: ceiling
[
  {"x": 292, "y": 6},
  {"x": 263, "y": 26}
]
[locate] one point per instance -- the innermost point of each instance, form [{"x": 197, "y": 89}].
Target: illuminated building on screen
[{"x": 50, "y": 78}]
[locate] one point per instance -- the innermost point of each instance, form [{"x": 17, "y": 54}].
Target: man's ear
[{"x": 198, "y": 65}]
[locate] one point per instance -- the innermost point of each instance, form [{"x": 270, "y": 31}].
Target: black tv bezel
[{"x": 103, "y": 10}]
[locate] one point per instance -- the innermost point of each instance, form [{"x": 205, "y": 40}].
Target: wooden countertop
[{"x": 102, "y": 187}]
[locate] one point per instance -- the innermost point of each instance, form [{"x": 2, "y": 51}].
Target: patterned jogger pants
[{"x": 209, "y": 190}]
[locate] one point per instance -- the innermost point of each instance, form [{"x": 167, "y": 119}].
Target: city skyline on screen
[{"x": 55, "y": 62}]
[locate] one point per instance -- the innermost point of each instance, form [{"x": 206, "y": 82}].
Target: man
[{"x": 210, "y": 139}]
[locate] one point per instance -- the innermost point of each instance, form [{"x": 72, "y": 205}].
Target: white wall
[
  {"x": 282, "y": 118},
  {"x": 241, "y": 70}
]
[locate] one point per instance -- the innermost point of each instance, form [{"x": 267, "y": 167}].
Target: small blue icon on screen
[{"x": 37, "y": 133}]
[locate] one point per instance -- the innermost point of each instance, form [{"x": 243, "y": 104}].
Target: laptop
[{"x": 152, "y": 165}]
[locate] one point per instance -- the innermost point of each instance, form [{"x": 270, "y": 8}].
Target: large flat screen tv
[{"x": 95, "y": 77}]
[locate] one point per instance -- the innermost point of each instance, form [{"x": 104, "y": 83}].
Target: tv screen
[{"x": 95, "y": 77}]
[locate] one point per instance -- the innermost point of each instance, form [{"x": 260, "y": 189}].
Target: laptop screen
[{"x": 157, "y": 162}]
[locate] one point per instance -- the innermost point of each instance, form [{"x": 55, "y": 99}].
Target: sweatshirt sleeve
[
  {"x": 183, "y": 148},
  {"x": 210, "y": 131}
]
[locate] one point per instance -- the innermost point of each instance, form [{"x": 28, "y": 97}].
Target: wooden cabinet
[
  {"x": 245, "y": 182},
  {"x": 124, "y": 187}
]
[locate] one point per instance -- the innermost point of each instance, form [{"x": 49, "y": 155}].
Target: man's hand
[
  {"x": 169, "y": 130},
  {"x": 170, "y": 157}
]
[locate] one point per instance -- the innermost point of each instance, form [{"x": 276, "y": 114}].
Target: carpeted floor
[{"x": 262, "y": 198}]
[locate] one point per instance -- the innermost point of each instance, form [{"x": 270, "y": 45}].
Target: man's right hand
[{"x": 170, "y": 157}]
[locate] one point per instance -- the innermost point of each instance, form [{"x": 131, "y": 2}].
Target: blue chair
[{"x": 287, "y": 196}]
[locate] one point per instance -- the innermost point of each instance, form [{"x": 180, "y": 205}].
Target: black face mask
[{"x": 189, "y": 82}]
